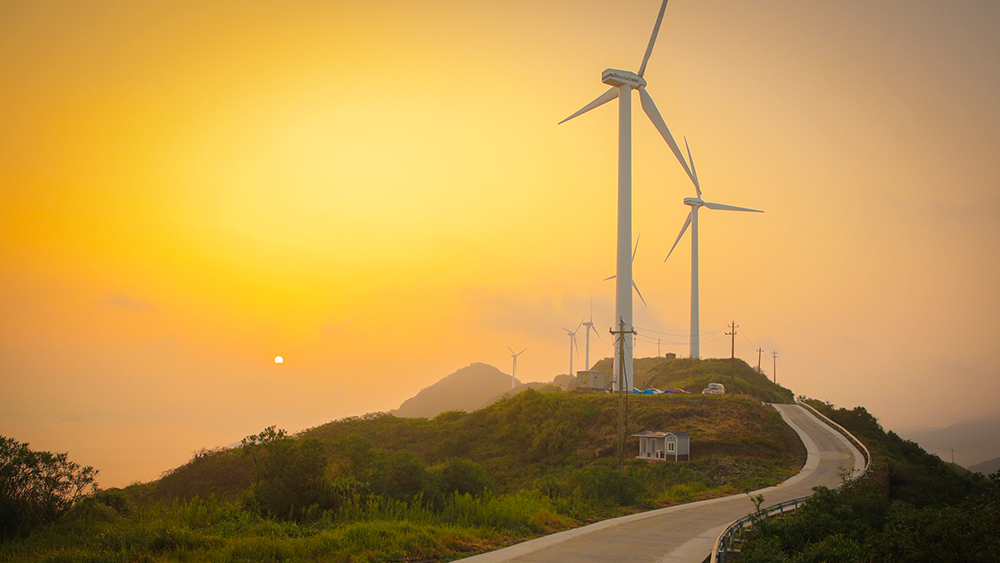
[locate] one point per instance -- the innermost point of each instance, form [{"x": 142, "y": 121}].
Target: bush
[{"x": 37, "y": 487}]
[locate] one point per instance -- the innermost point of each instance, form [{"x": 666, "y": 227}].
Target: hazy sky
[{"x": 378, "y": 191}]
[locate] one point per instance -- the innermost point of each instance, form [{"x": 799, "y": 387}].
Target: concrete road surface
[{"x": 687, "y": 533}]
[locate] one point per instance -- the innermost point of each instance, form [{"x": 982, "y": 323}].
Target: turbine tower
[
  {"x": 692, "y": 220},
  {"x": 622, "y": 83},
  {"x": 513, "y": 371},
  {"x": 590, "y": 327},
  {"x": 572, "y": 342}
]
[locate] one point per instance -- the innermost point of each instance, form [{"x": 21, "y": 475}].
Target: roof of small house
[{"x": 648, "y": 434}]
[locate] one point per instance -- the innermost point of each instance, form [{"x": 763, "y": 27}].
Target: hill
[
  {"x": 987, "y": 467},
  {"x": 470, "y": 388},
  {"x": 526, "y": 437},
  {"x": 693, "y": 375},
  {"x": 973, "y": 441}
]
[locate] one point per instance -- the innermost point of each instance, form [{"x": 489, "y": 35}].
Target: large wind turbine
[
  {"x": 590, "y": 327},
  {"x": 513, "y": 371},
  {"x": 572, "y": 342},
  {"x": 622, "y": 83},
  {"x": 692, "y": 220}
]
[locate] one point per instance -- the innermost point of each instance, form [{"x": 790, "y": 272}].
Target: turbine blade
[
  {"x": 511, "y": 350},
  {"x": 724, "y": 207},
  {"x": 649, "y": 107},
  {"x": 697, "y": 185},
  {"x": 601, "y": 100},
  {"x": 639, "y": 292},
  {"x": 597, "y": 332},
  {"x": 652, "y": 38},
  {"x": 610, "y": 278},
  {"x": 521, "y": 352},
  {"x": 636, "y": 249},
  {"x": 684, "y": 228}
]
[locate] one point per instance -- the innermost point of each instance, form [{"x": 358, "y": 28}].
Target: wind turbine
[
  {"x": 692, "y": 220},
  {"x": 622, "y": 83},
  {"x": 572, "y": 342},
  {"x": 513, "y": 371},
  {"x": 634, "y": 286},
  {"x": 590, "y": 327}
]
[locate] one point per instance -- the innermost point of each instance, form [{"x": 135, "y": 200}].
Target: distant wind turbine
[
  {"x": 590, "y": 327},
  {"x": 692, "y": 220},
  {"x": 572, "y": 342},
  {"x": 513, "y": 371},
  {"x": 622, "y": 83}
]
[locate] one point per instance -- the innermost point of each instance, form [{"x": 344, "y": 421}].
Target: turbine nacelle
[
  {"x": 617, "y": 78},
  {"x": 694, "y": 201}
]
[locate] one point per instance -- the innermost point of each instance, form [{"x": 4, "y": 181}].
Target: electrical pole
[
  {"x": 759, "y": 350},
  {"x": 775, "y": 374},
  {"x": 622, "y": 394},
  {"x": 732, "y": 356}
]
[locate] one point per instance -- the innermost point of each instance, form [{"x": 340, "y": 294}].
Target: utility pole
[
  {"x": 775, "y": 374},
  {"x": 622, "y": 393},
  {"x": 657, "y": 347},
  {"x": 759, "y": 350},
  {"x": 732, "y": 355}
]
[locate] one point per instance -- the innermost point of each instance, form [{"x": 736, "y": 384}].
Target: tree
[
  {"x": 288, "y": 475},
  {"x": 38, "y": 487}
]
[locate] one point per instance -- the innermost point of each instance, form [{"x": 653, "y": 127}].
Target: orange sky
[{"x": 380, "y": 194}]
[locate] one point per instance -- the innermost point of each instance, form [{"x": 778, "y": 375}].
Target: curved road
[{"x": 687, "y": 532}]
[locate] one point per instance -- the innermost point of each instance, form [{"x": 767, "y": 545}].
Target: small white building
[
  {"x": 589, "y": 379},
  {"x": 664, "y": 446}
]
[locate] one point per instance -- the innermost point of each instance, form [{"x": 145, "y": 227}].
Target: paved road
[{"x": 686, "y": 533}]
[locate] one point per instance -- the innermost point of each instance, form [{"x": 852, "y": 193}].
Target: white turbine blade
[
  {"x": 684, "y": 228},
  {"x": 724, "y": 207},
  {"x": 521, "y": 352},
  {"x": 652, "y": 38},
  {"x": 601, "y": 100},
  {"x": 610, "y": 278},
  {"x": 597, "y": 332},
  {"x": 511, "y": 350},
  {"x": 697, "y": 185},
  {"x": 649, "y": 107},
  {"x": 639, "y": 292},
  {"x": 636, "y": 249}
]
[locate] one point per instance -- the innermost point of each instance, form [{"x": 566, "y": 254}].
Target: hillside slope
[
  {"x": 693, "y": 375},
  {"x": 468, "y": 389},
  {"x": 531, "y": 435}
]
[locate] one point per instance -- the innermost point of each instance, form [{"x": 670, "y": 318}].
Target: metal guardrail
[{"x": 729, "y": 539}]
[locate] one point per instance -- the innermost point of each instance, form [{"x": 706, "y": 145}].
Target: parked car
[{"x": 714, "y": 389}]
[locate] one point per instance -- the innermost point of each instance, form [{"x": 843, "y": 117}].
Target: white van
[{"x": 714, "y": 389}]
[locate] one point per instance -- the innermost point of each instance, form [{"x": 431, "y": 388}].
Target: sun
[{"x": 278, "y": 359}]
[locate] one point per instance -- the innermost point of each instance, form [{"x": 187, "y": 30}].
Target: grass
[{"x": 550, "y": 458}]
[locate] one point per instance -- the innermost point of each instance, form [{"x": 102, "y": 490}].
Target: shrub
[{"x": 37, "y": 487}]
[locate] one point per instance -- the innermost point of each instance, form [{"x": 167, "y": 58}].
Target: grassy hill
[
  {"x": 526, "y": 437},
  {"x": 693, "y": 375}
]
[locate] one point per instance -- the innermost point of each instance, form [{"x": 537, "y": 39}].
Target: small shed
[
  {"x": 664, "y": 446},
  {"x": 589, "y": 379}
]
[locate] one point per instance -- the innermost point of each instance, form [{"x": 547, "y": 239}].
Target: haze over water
[{"x": 379, "y": 193}]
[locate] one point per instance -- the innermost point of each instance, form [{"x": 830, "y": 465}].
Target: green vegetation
[
  {"x": 911, "y": 507},
  {"x": 37, "y": 487},
  {"x": 382, "y": 488}
]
